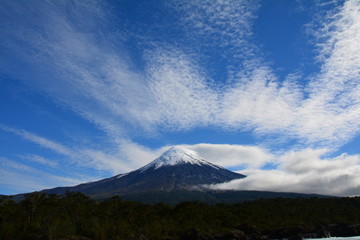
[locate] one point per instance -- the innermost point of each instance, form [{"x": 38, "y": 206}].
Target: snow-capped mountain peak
[
  {"x": 176, "y": 156},
  {"x": 176, "y": 169}
]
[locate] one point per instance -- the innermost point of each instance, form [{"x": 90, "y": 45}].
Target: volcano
[{"x": 176, "y": 169}]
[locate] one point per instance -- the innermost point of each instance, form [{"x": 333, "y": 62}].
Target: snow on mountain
[
  {"x": 176, "y": 156},
  {"x": 177, "y": 175},
  {"x": 176, "y": 169}
]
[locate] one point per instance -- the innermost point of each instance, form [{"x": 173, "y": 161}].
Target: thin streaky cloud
[
  {"x": 111, "y": 161},
  {"x": 41, "y": 160},
  {"x": 46, "y": 143},
  {"x": 175, "y": 92},
  {"x": 21, "y": 177}
]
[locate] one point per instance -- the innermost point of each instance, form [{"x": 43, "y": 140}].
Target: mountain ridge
[
  {"x": 177, "y": 175},
  {"x": 176, "y": 169}
]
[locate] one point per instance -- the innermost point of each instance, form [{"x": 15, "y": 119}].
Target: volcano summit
[{"x": 176, "y": 169}]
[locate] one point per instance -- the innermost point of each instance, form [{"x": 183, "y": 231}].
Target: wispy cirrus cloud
[
  {"x": 183, "y": 99},
  {"x": 46, "y": 143},
  {"x": 41, "y": 160},
  {"x": 334, "y": 92},
  {"x": 130, "y": 155},
  {"x": 17, "y": 177},
  {"x": 221, "y": 30},
  {"x": 325, "y": 111},
  {"x": 110, "y": 161},
  {"x": 85, "y": 74},
  {"x": 175, "y": 92}
]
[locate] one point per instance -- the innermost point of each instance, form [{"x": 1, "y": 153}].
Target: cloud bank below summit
[{"x": 305, "y": 171}]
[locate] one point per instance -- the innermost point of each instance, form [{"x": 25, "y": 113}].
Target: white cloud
[
  {"x": 312, "y": 160},
  {"x": 98, "y": 159},
  {"x": 43, "y": 142},
  {"x": 224, "y": 28},
  {"x": 221, "y": 23},
  {"x": 40, "y": 159},
  {"x": 227, "y": 155},
  {"x": 183, "y": 98},
  {"x": 18, "y": 177},
  {"x": 89, "y": 77},
  {"x": 334, "y": 92},
  {"x": 174, "y": 91},
  {"x": 111, "y": 161},
  {"x": 330, "y": 115},
  {"x": 258, "y": 102},
  {"x": 138, "y": 155},
  {"x": 306, "y": 171}
]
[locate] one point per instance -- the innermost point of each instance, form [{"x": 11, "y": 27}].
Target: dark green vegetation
[{"x": 42, "y": 216}]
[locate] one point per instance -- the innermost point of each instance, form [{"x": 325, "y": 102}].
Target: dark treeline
[{"x": 42, "y": 216}]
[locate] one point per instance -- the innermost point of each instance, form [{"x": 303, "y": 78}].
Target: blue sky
[{"x": 91, "y": 89}]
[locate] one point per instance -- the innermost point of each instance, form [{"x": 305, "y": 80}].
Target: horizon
[{"x": 268, "y": 89}]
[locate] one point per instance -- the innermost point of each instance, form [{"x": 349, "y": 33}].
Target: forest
[{"x": 76, "y": 216}]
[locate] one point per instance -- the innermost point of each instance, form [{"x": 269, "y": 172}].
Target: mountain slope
[
  {"x": 175, "y": 169},
  {"x": 211, "y": 197}
]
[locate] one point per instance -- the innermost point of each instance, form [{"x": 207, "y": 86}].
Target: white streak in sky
[
  {"x": 18, "y": 177},
  {"x": 91, "y": 158},
  {"x": 174, "y": 91}
]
